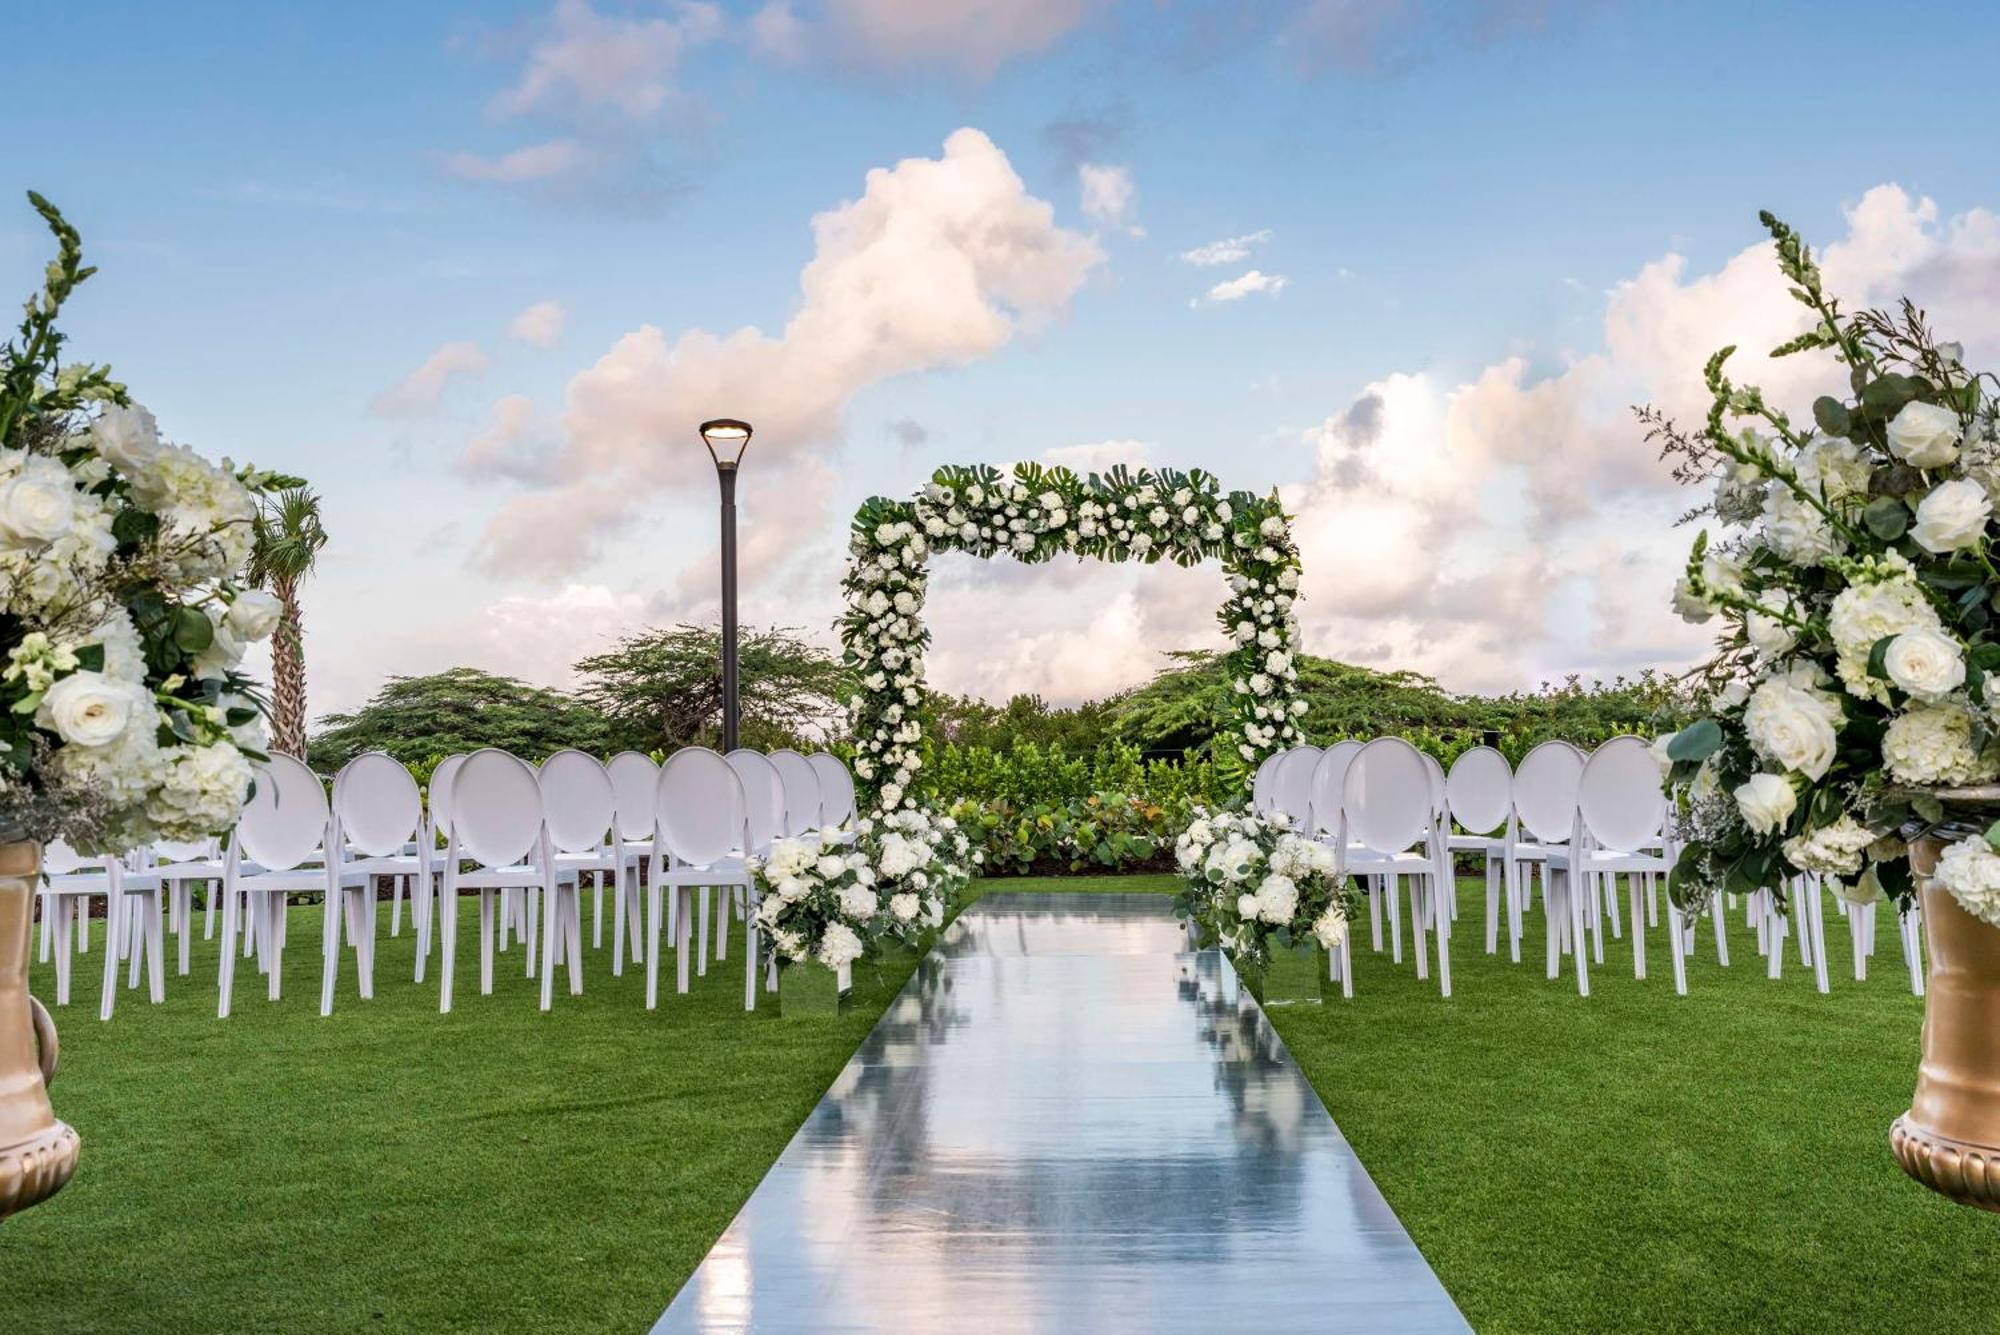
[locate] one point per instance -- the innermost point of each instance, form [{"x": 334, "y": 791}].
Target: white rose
[
  {"x": 126, "y": 438},
  {"x": 1952, "y": 516},
  {"x": 1770, "y": 635},
  {"x": 904, "y": 906},
  {"x": 88, "y": 708},
  {"x": 254, "y": 615},
  {"x": 1793, "y": 726},
  {"x": 1924, "y": 435},
  {"x": 1767, "y": 802},
  {"x": 37, "y": 504},
  {"x": 1926, "y": 663}
]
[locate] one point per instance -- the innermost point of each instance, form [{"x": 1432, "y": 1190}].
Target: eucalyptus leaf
[
  {"x": 1696, "y": 742},
  {"x": 1887, "y": 517},
  {"x": 1831, "y": 414}
]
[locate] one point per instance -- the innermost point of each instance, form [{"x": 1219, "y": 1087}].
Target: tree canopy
[
  {"x": 421, "y": 719},
  {"x": 662, "y": 689}
]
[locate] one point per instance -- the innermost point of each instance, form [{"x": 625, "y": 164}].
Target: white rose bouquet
[
  {"x": 1854, "y": 582},
  {"x": 1252, "y": 881},
  {"x": 123, "y": 616},
  {"x": 827, "y": 901}
]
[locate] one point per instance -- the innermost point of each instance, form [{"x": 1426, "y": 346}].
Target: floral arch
[{"x": 1031, "y": 514}]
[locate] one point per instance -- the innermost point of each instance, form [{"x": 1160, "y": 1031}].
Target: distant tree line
[{"x": 662, "y": 689}]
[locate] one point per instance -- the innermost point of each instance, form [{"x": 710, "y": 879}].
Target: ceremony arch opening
[{"x": 1034, "y": 513}]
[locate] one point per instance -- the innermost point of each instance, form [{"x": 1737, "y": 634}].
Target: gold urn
[{"x": 37, "y": 1152}]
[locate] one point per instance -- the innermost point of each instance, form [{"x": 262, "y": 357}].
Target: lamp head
[{"x": 726, "y": 439}]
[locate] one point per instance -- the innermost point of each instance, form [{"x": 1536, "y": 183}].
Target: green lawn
[{"x": 1636, "y": 1161}]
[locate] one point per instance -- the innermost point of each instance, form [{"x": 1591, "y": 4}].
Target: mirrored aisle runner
[{"x": 1067, "y": 1122}]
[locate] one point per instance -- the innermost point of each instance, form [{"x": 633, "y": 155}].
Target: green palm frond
[{"x": 289, "y": 537}]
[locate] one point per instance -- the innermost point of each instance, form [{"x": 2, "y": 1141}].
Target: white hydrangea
[
  {"x": 1932, "y": 745},
  {"x": 1888, "y": 603},
  {"x": 1795, "y": 530},
  {"x": 1970, "y": 871},
  {"x": 201, "y": 790},
  {"x": 1831, "y": 850}
]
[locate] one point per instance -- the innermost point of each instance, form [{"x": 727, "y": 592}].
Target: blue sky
[{"x": 285, "y": 206}]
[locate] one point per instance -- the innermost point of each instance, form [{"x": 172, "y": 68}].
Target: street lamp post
[{"x": 727, "y": 439}]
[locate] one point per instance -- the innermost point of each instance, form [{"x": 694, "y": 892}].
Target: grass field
[{"x": 1636, "y": 1161}]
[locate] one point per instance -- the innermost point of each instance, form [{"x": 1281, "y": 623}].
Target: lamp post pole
[
  {"x": 727, "y": 439},
  {"x": 731, "y": 711}
]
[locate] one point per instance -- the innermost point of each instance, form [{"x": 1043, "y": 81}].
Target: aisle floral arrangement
[
  {"x": 1853, "y": 577},
  {"x": 123, "y": 615},
  {"x": 826, "y": 900},
  {"x": 1252, "y": 883},
  {"x": 1034, "y": 514}
]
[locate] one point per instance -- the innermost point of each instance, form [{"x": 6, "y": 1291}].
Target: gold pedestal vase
[
  {"x": 1949, "y": 1140},
  {"x": 37, "y": 1152}
]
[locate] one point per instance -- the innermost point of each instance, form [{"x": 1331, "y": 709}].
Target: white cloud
[
  {"x": 938, "y": 264},
  {"x": 540, "y": 325},
  {"x": 777, "y": 34},
  {"x": 1229, "y": 250},
  {"x": 1108, "y": 193},
  {"x": 1247, "y": 284},
  {"x": 1512, "y": 526},
  {"x": 420, "y": 392},
  {"x": 971, "y": 38},
  {"x": 590, "y": 64},
  {"x": 1100, "y": 455},
  {"x": 552, "y": 161}
]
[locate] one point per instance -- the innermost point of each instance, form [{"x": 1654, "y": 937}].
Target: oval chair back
[
  {"x": 59, "y": 859},
  {"x": 495, "y": 801},
  {"x": 804, "y": 802},
  {"x": 836, "y": 789},
  {"x": 1329, "y": 777},
  {"x": 1480, "y": 790},
  {"x": 578, "y": 801},
  {"x": 699, "y": 806},
  {"x": 1620, "y": 798},
  {"x": 635, "y": 779},
  {"x": 1545, "y": 788},
  {"x": 1261, "y": 782},
  {"x": 377, "y": 804},
  {"x": 1437, "y": 782},
  {"x": 1291, "y": 784},
  {"x": 765, "y": 799},
  {"x": 1386, "y": 796},
  {"x": 439, "y": 793},
  {"x": 284, "y": 822}
]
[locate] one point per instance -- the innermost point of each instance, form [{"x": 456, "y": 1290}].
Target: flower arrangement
[
  {"x": 1853, "y": 578},
  {"x": 123, "y": 615},
  {"x": 1034, "y": 513},
  {"x": 825, "y": 901},
  {"x": 1253, "y": 881}
]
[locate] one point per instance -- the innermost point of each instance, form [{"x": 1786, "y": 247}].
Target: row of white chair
[
  {"x": 529, "y": 832},
  {"x": 1583, "y": 821}
]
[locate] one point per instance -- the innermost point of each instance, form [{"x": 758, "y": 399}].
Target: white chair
[
  {"x": 579, "y": 807},
  {"x": 1260, "y": 782},
  {"x": 836, "y": 790},
  {"x": 1479, "y": 793},
  {"x": 1545, "y": 786},
  {"x": 70, "y": 881},
  {"x": 1329, "y": 780},
  {"x": 284, "y": 827},
  {"x": 1387, "y": 809},
  {"x": 767, "y": 798},
  {"x": 179, "y": 865},
  {"x": 700, "y": 822},
  {"x": 799, "y": 779},
  {"x": 433, "y": 836},
  {"x": 635, "y": 782},
  {"x": 1291, "y": 786},
  {"x": 493, "y": 808},
  {"x": 1441, "y": 810},
  {"x": 378, "y": 825},
  {"x": 1621, "y": 808}
]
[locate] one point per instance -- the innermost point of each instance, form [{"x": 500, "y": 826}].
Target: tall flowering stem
[{"x": 1034, "y": 513}]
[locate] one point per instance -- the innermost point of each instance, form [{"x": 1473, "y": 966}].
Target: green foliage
[
  {"x": 662, "y": 689},
  {"x": 1078, "y": 729},
  {"x": 419, "y": 720},
  {"x": 37, "y": 393}
]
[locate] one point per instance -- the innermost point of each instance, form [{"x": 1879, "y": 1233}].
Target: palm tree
[{"x": 288, "y": 540}]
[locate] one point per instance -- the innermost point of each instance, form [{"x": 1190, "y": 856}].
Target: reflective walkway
[{"x": 1067, "y": 1122}]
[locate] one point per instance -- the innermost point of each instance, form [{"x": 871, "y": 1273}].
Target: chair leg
[
  {"x": 1576, "y": 893},
  {"x": 227, "y": 980},
  {"x": 45, "y": 904},
  {"x": 1610, "y": 884},
  {"x": 1443, "y": 948},
  {"x": 1857, "y": 936},
  {"x": 329, "y": 950},
  {"x": 486, "y": 946},
  {"x": 1633, "y": 892},
  {"x": 1371, "y": 886},
  {"x": 684, "y": 897},
  {"x": 421, "y": 912},
  {"x": 156, "y": 950},
  {"x": 653, "y": 911},
  {"x": 214, "y": 888},
  {"x": 530, "y": 900},
  {"x": 1913, "y": 951},
  {"x": 447, "y": 930},
  {"x": 1421, "y": 896},
  {"x": 573, "y": 920},
  {"x": 396, "y": 906},
  {"x": 115, "y": 913},
  {"x": 63, "y": 931},
  {"x": 1679, "y": 957},
  {"x": 1395, "y": 913},
  {"x": 750, "y": 950},
  {"x": 183, "y": 933},
  {"x": 1721, "y": 915},
  {"x": 551, "y": 921},
  {"x": 274, "y": 938},
  {"x": 701, "y": 945},
  {"x": 1492, "y": 913},
  {"x": 1816, "y": 930},
  {"x": 597, "y": 910},
  {"x": 1774, "y": 937}
]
